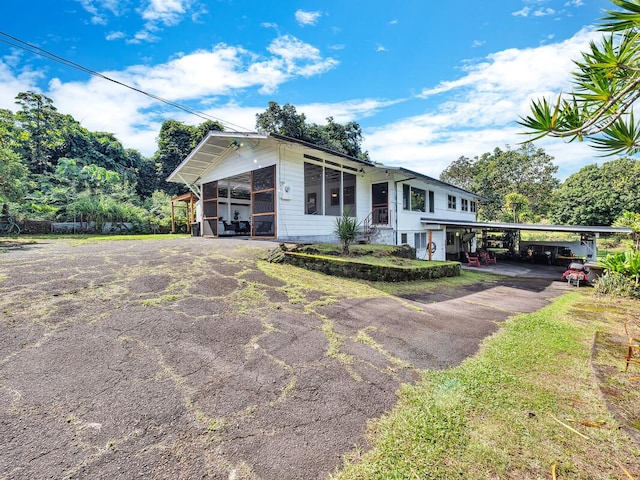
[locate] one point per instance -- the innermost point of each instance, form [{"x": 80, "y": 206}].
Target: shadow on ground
[{"x": 181, "y": 359}]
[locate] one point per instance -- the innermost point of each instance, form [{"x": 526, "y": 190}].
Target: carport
[{"x": 505, "y": 237}]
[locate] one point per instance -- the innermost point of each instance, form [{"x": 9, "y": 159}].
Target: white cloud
[
  {"x": 98, "y": 9},
  {"x": 166, "y": 12},
  {"x": 478, "y": 43},
  {"x": 480, "y": 109},
  {"x": 522, "y": 13},
  {"x": 115, "y": 36},
  {"x": 153, "y": 13},
  {"x": 307, "y": 18},
  {"x": 143, "y": 36},
  {"x": 543, "y": 12},
  {"x": 11, "y": 83},
  {"x": 343, "y": 112},
  {"x": 574, "y": 3},
  {"x": 381, "y": 48},
  {"x": 200, "y": 76}
]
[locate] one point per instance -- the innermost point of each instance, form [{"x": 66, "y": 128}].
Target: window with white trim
[
  {"x": 420, "y": 240},
  {"x": 451, "y": 202},
  {"x": 413, "y": 199},
  {"x": 464, "y": 204},
  {"x": 328, "y": 191}
]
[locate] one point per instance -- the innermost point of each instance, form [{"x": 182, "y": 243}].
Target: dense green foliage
[
  {"x": 527, "y": 172},
  {"x": 606, "y": 86},
  {"x": 622, "y": 275},
  {"x": 287, "y": 121},
  {"x": 52, "y": 168},
  {"x": 598, "y": 195}
]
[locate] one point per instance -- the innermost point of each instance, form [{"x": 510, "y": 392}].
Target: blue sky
[{"x": 428, "y": 81}]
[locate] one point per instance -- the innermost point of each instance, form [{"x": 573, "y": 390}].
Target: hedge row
[{"x": 364, "y": 271}]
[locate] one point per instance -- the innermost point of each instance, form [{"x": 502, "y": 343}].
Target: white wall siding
[
  {"x": 293, "y": 223},
  {"x": 243, "y": 160}
]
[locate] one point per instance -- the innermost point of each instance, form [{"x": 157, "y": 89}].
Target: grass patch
[
  {"x": 498, "y": 414},
  {"x": 89, "y": 238},
  {"x": 154, "y": 302},
  {"x": 465, "y": 278}
]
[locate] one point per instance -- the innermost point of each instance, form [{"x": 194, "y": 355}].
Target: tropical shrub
[
  {"x": 346, "y": 230},
  {"x": 622, "y": 275}
]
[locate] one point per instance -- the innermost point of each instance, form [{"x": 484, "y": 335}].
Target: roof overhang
[
  {"x": 426, "y": 178},
  {"x": 208, "y": 152},
  {"x": 528, "y": 226}
]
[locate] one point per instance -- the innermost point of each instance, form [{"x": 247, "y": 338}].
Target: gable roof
[
  {"x": 217, "y": 144},
  {"x": 212, "y": 147}
]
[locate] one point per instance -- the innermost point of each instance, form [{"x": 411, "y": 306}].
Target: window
[
  {"x": 451, "y": 202},
  {"x": 328, "y": 191},
  {"x": 451, "y": 238},
  {"x": 349, "y": 193},
  {"x": 403, "y": 238},
  {"x": 332, "y": 192},
  {"x": 420, "y": 240},
  {"x": 464, "y": 204},
  {"x": 313, "y": 189},
  {"x": 413, "y": 198},
  {"x": 432, "y": 202},
  {"x": 474, "y": 207}
]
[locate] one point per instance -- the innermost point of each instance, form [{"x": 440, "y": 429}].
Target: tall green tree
[
  {"x": 13, "y": 176},
  {"x": 175, "y": 142},
  {"x": 41, "y": 135},
  {"x": 630, "y": 220},
  {"x": 516, "y": 208},
  {"x": 285, "y": 120},
  {"x": 527, "y": 171},
  {"x": 8, "y": 128},
  {"x": 606, "y": 86},
  {"x": 598, "y": 195}
]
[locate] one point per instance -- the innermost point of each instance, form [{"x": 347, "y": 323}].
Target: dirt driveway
[{"x": 188, "y": 358}]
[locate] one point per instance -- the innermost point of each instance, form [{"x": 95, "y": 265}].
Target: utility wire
[{"x": 21, "y": 44}]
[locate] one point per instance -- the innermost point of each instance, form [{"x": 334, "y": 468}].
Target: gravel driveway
[{"x": 189, "y": 358}]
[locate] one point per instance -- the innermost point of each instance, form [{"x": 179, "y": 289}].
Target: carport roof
[{"x": 528, "y": 226}]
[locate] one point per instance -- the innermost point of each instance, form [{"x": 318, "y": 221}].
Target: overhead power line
[{"x": 28, "y": 47}]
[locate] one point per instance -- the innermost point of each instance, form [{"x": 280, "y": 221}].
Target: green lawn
[{"x": 526, "y": 407}]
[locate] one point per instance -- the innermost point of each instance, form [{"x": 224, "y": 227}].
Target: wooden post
[
  {"x": 429, "y": 243},
  {"x": 173, "y": 219}
]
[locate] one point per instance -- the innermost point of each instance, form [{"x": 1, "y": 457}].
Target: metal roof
[
  {"x": 528, "y": 226},
  {"x": 429, "y": 179},
  {"x": 218, "y": 144},
  {"x": 211, "y": 149}
]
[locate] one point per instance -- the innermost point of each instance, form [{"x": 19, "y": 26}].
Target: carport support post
[{"x": 429, "y": 243}]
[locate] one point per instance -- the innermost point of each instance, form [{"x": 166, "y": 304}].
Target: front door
[{"x": 380, "y": 203}]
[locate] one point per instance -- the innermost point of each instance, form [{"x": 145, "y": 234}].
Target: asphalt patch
[{"x": 179, "y": 358}]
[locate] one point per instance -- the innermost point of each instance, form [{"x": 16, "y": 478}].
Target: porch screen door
[
  {"x": 263, "y": 202},
  {"x": 210, "y": 208},
  {"x": 380, "y": 203}
]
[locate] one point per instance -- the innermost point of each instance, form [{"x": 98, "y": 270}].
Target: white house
[{"x": 276, "y": 187}]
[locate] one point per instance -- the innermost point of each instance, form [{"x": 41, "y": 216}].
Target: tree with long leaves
[{"x": 606, "y": 86}]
